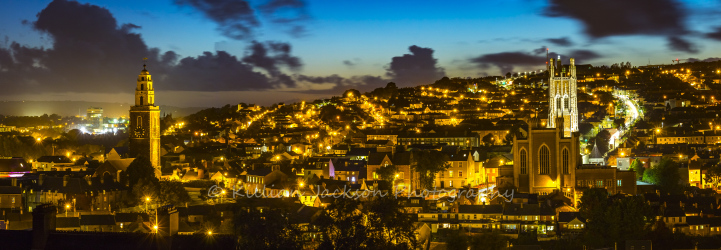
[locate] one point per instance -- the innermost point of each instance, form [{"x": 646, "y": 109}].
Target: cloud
[
  {"x": 563, "y": 41},
  {"x": 363, "y": 83},
  {"x": 716, "y": 35},
  {"x": 236, "y": 18},
  {"x": 641, "y": 17},
  {"x": 92, "y": 53},
  {"x": 710, "y": 59},
  {"x": 677, "y": 43},
  {"x": 216, "y": 72},
  {"x": 287, "y": 12},
  {"x": 507, "y": 61},
  {"x": 348, "y": 63},
  {"x": 603, "y": 18},
  {"x": 416, "y": 68},
  {"x": 89, "y": 48}
]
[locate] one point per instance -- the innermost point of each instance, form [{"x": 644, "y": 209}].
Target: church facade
[
  {"x": 562, "y": 99},
  {"x": 144, "y": 130},
  {"x": 549, "y": 158},
  {"x": 546, "y": 160}
]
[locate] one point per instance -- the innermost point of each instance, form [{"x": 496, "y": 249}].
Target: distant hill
[{"x": 73, "y": 108}]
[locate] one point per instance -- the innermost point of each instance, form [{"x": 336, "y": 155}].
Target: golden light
[
  {"x": 623, "y": 154},
  {"x": 210, "y": 232},
  {"x": 397, "y": 175},
  {"x": 147, "y": 199},
  {"x": 222, "y": 192},
  {"x": 67, "y": 206},
  {"x": 38, "y": 139},
  {"x": 301, "y": 184}
]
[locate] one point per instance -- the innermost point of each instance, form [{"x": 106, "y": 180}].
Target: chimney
[
  {"x": 66, "y": 178},
  {"x": 43, "y": 223},
  {"x": 41, "y": 178}
]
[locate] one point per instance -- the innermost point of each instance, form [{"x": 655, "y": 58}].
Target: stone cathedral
[
  {"x": 144, "y": 130},
  {"x": 562, "y": 96}
]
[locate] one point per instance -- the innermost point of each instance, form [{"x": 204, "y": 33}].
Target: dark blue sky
[{"x": 293, "y": 49}]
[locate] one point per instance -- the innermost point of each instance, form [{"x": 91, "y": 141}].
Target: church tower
[
  {"x": 562, "y": 96},
  {"x": 144, "y": 130}
]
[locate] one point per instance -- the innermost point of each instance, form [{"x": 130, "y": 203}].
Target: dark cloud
[
  {"x": 677, "y": 43},
  {"x": 641, "y": 17},
  {"x": 602, "y": 18},
  {"x": 540, "y": 50},
  {"x": 92, "y": 53},
  {"x": 89, "y": 48},
  {"x": 236, "y": 18},
  {"x": 216, "y": 72},
  {"x": 348, "y": 63},
  {"x": 364, "y": 83},
  {"x": 287, "y": 12},
  {"x": 563, "y": 41},
  {"x": 710, "y": 59},
  {"x": 716, "y": 35},
  {"x": 416, "y": 68},
  {"x": 270, "y": 56},
  {"x": 507, "y": 61}
]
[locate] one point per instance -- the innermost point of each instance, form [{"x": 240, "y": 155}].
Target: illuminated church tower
[
  {"x": 144, "y": 130},
  {"x": 562, "y": 96}
]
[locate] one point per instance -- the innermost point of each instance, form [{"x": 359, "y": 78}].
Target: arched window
[
  {"x": 558, "y": 103},
  {"x": 142, "y": 78},
  {"x": 544, "y": 159},
  {"x": 565, "y": 161},
  {"x": 140, "y": 122},
  {"x": 142, "y": 86},
  {"x": 141, "y": 100},
  {"x": 524, "y": 162}
]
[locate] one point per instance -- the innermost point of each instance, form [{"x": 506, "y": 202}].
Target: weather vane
[{"x": 145, "y": 60}]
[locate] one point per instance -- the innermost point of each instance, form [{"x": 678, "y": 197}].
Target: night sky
[{"x": 216, "y": 52}]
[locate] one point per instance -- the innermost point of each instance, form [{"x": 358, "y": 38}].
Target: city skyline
[{"x": 278, "y": 51}]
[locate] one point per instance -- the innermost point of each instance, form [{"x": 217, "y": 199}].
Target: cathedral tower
[
  {"x": 562, "y": 96},
  {"x": 144, "y": 130}
]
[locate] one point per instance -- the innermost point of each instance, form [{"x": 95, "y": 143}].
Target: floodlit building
[{"x": 144, "y": 130}]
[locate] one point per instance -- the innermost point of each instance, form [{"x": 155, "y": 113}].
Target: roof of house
[
  {"x": 15, "y": 164},
  {"x": 65, "y": 222},
  {"x": 54, "y": 159},
  {"x": 481, "y": 209},
  {"x": 131, "y": 217},
  {"x": 97, "y": 220},
  {"x": 569, "y": 216}
]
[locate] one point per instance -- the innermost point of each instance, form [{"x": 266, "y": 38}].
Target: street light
[{"x": 147, "y": 199}]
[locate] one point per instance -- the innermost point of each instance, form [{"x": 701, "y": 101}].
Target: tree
[
  {"x": 269, "y": 229},
  {"x": 342, "y": 226},
  {"x": 616, "y": 220},
  {"x": 638, "y": 167},
  {"x": 390, "y": 226},
  {"x": 488, "y": 241},
  {"x": 427, "y": 164},
  {"x": 713, "y": 175},
  {"x": 487, "y": 139},
  {"x": 387, "y": 173},
  {"x": 173, "y": 192},
  {"x": 664, "y": 175},
  {"x": 140, "y": 168},
  {"x": 141, "y": 177}
]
